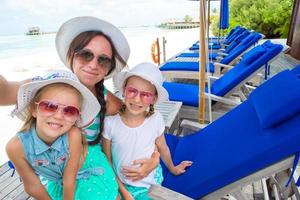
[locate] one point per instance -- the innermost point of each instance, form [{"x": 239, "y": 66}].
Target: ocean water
[{"x": 23, "y": 56}]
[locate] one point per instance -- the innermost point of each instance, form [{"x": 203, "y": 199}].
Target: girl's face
[
  {"x": 50, "y": 122},
  {"x": 138, "y": 95},
  {"x": 91, "y": 64}
]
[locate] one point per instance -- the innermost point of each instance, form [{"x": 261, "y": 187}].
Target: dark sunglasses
[
  {"x": 87, "y": 56},
  {"x": 49, "y": 108}
]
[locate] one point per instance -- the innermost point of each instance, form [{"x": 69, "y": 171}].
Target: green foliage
[
  {"x": 214, "y": 10},
  {"x": 187, "y": 18},
  {"x": 270, "y": 17}
]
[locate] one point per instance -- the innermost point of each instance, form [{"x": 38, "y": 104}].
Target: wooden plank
[
  {"x": 4, "y": 168},
  {"x": 169, "y": 110},
  {"x": 9, "y": 180},
  {"x": 23, "y": 195},
  {"x": 11, "y": 187},
  {"x": 11, "y": 184},
  {"x": 158, "y": 192},
  {"x": 18, "y": 193}
]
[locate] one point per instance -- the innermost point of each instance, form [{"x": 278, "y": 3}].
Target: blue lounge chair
[
  {"x": 215, "y": 55},
  {"x": 215, "y": 44},
  {"x": 259, "y": 136},
  {"x": 231, "y": 82},
  {"x": 169, "y": 68}
]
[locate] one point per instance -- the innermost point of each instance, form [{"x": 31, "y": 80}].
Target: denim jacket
[
  {"x": 50, "y": 161},
  {"x": 46, "y": 161}
]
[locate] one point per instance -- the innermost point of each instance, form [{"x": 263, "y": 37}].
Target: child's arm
[
  {"x": 73, "y": 164},
  {"x": 106, "y": 146},
  {"x": 166, "y": 157},
  {"x": 32, "y": 184}
]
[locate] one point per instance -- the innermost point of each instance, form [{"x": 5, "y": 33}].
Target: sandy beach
[{"x": 20, "y": 67}]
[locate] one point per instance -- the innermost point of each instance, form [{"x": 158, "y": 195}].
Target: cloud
[{"x": 49, "y": 15}]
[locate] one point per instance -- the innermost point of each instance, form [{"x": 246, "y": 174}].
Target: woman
[{"x": 93, "y": 49}]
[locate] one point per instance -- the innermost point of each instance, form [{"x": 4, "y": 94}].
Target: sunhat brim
[
  {"x": 162, "y": 94},
  {"x": 89, "y": 108},
  {"x": 73, "y": 27}
]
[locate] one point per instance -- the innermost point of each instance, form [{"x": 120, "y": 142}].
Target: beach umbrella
[
  {"x": 203, "y": 49},
  {"x": 224, "y": 15},
  {"x": 202, "y": 61}
]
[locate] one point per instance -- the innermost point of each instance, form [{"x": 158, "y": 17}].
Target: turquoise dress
[{"x": 102, "y": 185}]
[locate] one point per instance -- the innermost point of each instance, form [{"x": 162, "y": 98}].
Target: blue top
[
  {"x": 46, "y": 161},
  {"x": 50, "y": 161}
]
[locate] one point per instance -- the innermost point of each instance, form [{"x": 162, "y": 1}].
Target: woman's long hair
[{"x": 79, "y": 43}]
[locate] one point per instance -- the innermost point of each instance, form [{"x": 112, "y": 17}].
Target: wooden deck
[{"x": 11, "y": 186}]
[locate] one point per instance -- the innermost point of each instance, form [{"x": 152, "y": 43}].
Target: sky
[{"x": 17, "y": 15}]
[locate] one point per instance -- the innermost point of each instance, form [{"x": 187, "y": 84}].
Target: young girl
[
  {"x": 49, "y": 145},
  {"x": 138, "y": 130}
]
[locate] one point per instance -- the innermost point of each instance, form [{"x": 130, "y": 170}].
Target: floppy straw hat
[
  {"x": 90, "y": 106},
  {"x": 148, "y": 72},
  {"x": 73, "y": 27}
]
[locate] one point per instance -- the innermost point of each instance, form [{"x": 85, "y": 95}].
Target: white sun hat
[
  {"x": 147, "y": 71},
  {"x": 90, "y": 106},
  {"x": 73, "y": 27}
]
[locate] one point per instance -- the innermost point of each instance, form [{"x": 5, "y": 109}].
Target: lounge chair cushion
[
  {"x": 270, "y": 105},
  {"x": 183, "y": 66},
  {"x": 196, "y": 55},
  {"x": 253, "y": 55},
  {"x": 179, "y": 91},
  {"x": 244, "y": 45}
]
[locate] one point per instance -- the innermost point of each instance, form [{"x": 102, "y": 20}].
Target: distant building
[
  {"x": 33, "y": 31},
  {"x": 179, "y": 25}
]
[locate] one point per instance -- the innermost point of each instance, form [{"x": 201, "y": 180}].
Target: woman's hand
[{"x": 146, "y": 166}]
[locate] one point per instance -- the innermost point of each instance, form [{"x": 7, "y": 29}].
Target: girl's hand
[
  {"x": 179, "y": 169},
  {"x": 146, "y": 166}
]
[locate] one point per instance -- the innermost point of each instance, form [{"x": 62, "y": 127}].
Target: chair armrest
[
  {"x": 191, "y": 125},
  {"x": 158, "y": 192},
  {"x": 222, "y": 54},
  {"x": 212, "y": 79},
  {"x": 222, "y": 99},
  {"x": 223, "y": 65}
]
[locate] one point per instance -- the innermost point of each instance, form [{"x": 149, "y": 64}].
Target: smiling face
[
  {"x": 91, "y": 72},
  {"x": 138, "y": 95},
  {"x": 50, "y": 126}
]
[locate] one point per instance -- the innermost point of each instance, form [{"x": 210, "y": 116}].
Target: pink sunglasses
[{"x": 146, "y": 97}]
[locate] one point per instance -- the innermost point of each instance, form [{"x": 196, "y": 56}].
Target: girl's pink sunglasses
[
  {"x": 146, "y": 97},
  {"x": 48, "y": 108}
]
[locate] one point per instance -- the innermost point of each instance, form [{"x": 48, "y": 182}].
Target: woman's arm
[
  {"x": 147, "y": 165},
  {"x": 32, "y": 184},
  {"x": 73, "y": 164},
  {"x": 106, "y": 146},
  {"x": 113, "y": 104},
  {"x": 166, "y": 157},
  {"x": 9, "y": 90}
]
